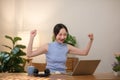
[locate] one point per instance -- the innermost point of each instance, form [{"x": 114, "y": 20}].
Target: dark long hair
[{"x": 57, "y": 29}]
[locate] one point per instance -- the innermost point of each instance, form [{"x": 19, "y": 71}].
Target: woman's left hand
[{"x": 91, "y": 37}]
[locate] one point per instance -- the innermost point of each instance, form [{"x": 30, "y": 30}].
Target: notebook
[{"x": 85, "y": 67}]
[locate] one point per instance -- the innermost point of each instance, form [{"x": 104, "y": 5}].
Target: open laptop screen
[{"x": 85, "y": 67}]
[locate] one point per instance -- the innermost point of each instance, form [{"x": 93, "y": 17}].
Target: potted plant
[
  {"x": 12, "y": 61},
  {"x": 69, "y": 40},
  {"x": 116, "y": 65}
]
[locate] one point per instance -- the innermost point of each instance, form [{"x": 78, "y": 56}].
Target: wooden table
[{"x": 24, "y": 76}]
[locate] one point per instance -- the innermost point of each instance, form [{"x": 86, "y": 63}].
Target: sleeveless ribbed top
[{"x": 56, "y": 57}]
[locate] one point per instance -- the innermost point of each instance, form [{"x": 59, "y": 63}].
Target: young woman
[{"x": 56, "y": 52}]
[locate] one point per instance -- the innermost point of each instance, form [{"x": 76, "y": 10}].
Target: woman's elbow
[
  {"x": 85, "y": 53},
  {"x": 29, "y": 54}
]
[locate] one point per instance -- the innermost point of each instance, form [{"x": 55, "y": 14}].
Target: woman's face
[{"x": 61, "y": 36}]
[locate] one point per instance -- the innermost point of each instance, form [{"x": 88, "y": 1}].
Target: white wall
[
  {"x": 7, "y": 20},
  {"x": 100, "y": 17}
]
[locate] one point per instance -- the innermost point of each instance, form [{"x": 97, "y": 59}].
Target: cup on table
[{"x": 30, "y": 70}]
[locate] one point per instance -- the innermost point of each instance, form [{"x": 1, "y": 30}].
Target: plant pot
[{"x": 117, "y": 73}]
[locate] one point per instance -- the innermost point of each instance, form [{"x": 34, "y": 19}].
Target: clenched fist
[{"x": 91, "y": 37}]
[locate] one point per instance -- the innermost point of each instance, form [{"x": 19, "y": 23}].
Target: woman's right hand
[{"x": 33, "y": 33}]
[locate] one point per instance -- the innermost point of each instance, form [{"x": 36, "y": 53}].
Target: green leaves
[
  {"x": 118, "y": 58},
  {"x": 116, "y": 68},
  {"x": 70, "y": 40},
  {"x": 21, "y": 46},
  {"x": 17, "y": 52},
  {"x": 7, "y": 46},
  {"x": 14, "y": 40},
  {"x": 8, "y": 37},
  {"x": 12, "y": 61},
  {"x": 4, "y": 56}
]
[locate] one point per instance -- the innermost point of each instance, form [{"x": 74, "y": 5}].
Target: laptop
[{"x": 85, "y": 67}]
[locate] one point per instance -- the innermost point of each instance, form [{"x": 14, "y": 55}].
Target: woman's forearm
[
  {"x": 29, "y": 48},
  {"x": 87, "y": 49}
]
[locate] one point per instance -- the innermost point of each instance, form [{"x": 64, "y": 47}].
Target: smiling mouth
[{"x": 62, "y": 40}]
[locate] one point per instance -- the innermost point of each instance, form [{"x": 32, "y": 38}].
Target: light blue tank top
[{"x": 56, "y": 57}]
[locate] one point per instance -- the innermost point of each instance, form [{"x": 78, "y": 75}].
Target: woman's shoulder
[
  {"x": 70, "y": 46},
  {"x": 47, "y": 44}
]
